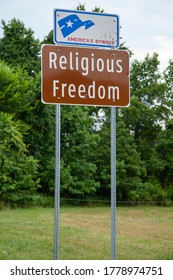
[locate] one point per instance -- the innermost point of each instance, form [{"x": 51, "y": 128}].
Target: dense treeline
[{"x": 27, "y": 132}]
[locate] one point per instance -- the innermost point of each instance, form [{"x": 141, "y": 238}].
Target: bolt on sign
[{"x": 85, "y": 76}]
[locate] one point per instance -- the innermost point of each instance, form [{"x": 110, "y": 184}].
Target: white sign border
[{"x": 56, "y": 41}]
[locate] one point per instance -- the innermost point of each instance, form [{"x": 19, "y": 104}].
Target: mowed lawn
[{"x": 142, "y": 233}]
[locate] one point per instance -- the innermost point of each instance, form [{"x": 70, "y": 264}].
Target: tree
[
  {"x": 16, "y": 90},
  {"x": 19, "y": 47},
  {"x": 78, "y": 142},
  {"x": 147, "y": 109},
  {"x": 20, "y": 96},
  {"x": 143, "y": 130},
  {"x": 168, "y": 77},
  {"x": 41, "y": 137},
  {"x": 130, "y": 168},
  {"x": 162, "y": 158},
  {"x": 18, "y": 172}
]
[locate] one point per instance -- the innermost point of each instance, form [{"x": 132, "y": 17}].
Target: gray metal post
[
  {"x": 57, "y": 182},
  {"x": 113, "y": 183}
]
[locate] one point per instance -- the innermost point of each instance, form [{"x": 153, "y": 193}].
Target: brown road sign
[{"x": 85, "y": 76}]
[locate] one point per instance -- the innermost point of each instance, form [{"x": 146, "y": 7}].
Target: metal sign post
[
  {"x": 57, "y": 183},
  {"x": 113, "y": 183}
]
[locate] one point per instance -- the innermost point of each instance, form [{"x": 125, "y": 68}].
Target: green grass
[{"x": 142, "y": 233}]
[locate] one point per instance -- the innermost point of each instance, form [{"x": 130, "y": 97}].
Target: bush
[
  {"x": 150, "y": 193},
  {"x": 18, "y": 172}
]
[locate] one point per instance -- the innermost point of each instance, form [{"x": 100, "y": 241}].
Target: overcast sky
[{"x": 147, "y": 25}]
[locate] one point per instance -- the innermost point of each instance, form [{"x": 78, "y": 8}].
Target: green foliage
[
  {"x": 18, "y": 170},
  {"x": 131, "y": 169},
  {"x": 16, "y": 90},
  {"x": 148, "y": 109},
  {"x": 162, "y": 158},
  {"x": 41, "y": 139},
  {"x": 168, "y": 76},
  {"x": 151, "y": 193},
  {"x": 81, "y": 7},
  {"x": 48, "y": 39},
  {"x": 78, "y": 142},
  {"x": 27, "y": 132},
  {"x": 19, "y": 47}
]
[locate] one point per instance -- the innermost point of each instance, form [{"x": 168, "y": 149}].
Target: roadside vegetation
[{"x": 27, "y": 133}]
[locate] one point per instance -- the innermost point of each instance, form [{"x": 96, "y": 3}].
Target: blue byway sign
[{"x": 86, "y": 28}]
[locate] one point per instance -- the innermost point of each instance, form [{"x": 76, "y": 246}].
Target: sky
[{"x": 146, "y": 25}]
